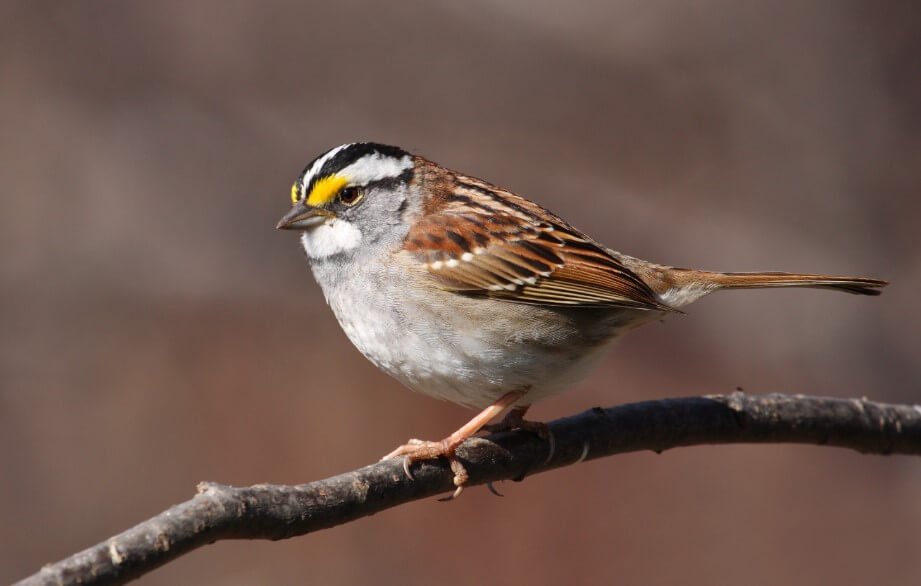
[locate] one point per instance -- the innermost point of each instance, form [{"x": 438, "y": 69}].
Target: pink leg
[{"x": 417, "y": 450}]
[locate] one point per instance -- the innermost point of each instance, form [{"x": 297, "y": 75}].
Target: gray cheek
[{"x": 383, "y": 225}]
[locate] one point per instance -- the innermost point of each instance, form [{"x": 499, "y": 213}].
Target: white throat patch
[{"x": 330, "y": 238}]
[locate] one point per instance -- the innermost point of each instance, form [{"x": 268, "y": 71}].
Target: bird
[{"x": 467, "y": 292}]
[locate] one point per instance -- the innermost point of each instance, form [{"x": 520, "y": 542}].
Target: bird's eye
[{"x": 351, "y": 196}]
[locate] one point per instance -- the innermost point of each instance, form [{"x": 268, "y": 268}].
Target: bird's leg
[
  {"x": 514, "y": 419},
  {"x": 417, "y": 450}
]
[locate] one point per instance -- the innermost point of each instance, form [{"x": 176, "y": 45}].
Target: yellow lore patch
[
  {"x": 325, "y": 190},
  {"x": 294, "y": 194}
]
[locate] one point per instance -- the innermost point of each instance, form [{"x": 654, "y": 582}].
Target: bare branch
[{"x": 278, "y": 512}]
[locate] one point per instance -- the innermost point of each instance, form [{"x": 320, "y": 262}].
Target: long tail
[
  {"x": 855, "y": 285},
  {"x": 678, "y": 287}
]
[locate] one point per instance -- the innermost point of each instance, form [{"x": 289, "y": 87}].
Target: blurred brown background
[{"x": 158, "y": 331}]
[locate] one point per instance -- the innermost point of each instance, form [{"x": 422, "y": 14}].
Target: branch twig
[{"x": 278, "y": 512}]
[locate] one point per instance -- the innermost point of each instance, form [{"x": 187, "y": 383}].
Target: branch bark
[{"x": 278, "y": 512}]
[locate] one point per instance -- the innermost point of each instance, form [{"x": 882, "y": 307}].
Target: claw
[
  {"x": 453, "y": 496},
  {"x": 493, "y": 490},
  {"x": 585, "y": 448},
  {"x": 406, "y": 464},
  {"x": 552, "y": 447},
  {"x": 460, "y": 473},
  {"x": 460, "y": 478}
]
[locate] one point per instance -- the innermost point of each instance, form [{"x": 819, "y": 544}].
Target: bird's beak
[{"x": 303, "y": 216}]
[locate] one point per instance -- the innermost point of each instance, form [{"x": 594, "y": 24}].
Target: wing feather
[{"x": 482, "y": 240}]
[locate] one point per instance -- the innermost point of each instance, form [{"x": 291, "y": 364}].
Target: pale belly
[{"x": 471, "y": 351}]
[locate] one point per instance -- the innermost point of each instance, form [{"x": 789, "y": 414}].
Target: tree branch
[{"x": 278, "y": 512}]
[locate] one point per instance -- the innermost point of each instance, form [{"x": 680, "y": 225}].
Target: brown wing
[{"x": 481, "y": 240}]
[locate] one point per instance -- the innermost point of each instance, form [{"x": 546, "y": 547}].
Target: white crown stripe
[
  {"x": 318, "y": 165},
  {"x": 375, "y": 167}
]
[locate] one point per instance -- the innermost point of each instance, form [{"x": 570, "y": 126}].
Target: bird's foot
[{"x": 419, "y": 450}]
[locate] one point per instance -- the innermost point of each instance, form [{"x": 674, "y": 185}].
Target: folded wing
[{"x": 482, "y": 240}]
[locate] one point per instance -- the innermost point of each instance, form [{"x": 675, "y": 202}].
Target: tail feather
[
  {"x": 679, "y": 287},
  {"x": 855, "y": 285}
]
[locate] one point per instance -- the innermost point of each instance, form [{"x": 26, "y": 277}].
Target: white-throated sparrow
[{"x": 467, "y": 292}]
